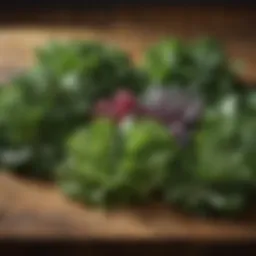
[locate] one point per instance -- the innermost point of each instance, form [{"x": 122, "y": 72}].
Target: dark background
[
  {"x": 175, "y": 248},
  {"x": 24, "y": 4}
]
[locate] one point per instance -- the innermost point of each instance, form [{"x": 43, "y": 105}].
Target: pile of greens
[
  {"x": 42, "y": 107},
  {"x": 181, "y": 132}
]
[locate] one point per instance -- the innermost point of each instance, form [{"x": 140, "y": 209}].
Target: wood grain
[
  {"x": 33, "y": 209},
  {"x": 133, "y": 29}
]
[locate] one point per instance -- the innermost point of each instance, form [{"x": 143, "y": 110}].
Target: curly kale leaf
[
  {"x": 18, "y": 125},
  {"x": 43, "y": 106},
  {"x": 167, "y": 63},
  {"x": 213, "y": 75},
  {"x": 201, "y": 66},
  {"x": 215, "y": 176},
  {"x": 88, "y": 68},
  {"x": 109, "y": 165},
  {"x": 24, "y": 144}
]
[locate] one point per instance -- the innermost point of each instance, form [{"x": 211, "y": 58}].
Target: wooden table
[
  {"x": 133, "y": 29},
  {"x": 34, "y": 209}
]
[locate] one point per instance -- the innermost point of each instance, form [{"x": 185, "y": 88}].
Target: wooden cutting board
[{"x": 33, "y": 209}]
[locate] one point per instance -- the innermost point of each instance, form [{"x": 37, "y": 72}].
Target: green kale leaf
[
  {"x": 43, "y": 106},
  {"x": 215, "y": 175},
  {"x": 108, "y": 164},
  {"x": 202, "y": 66}
]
